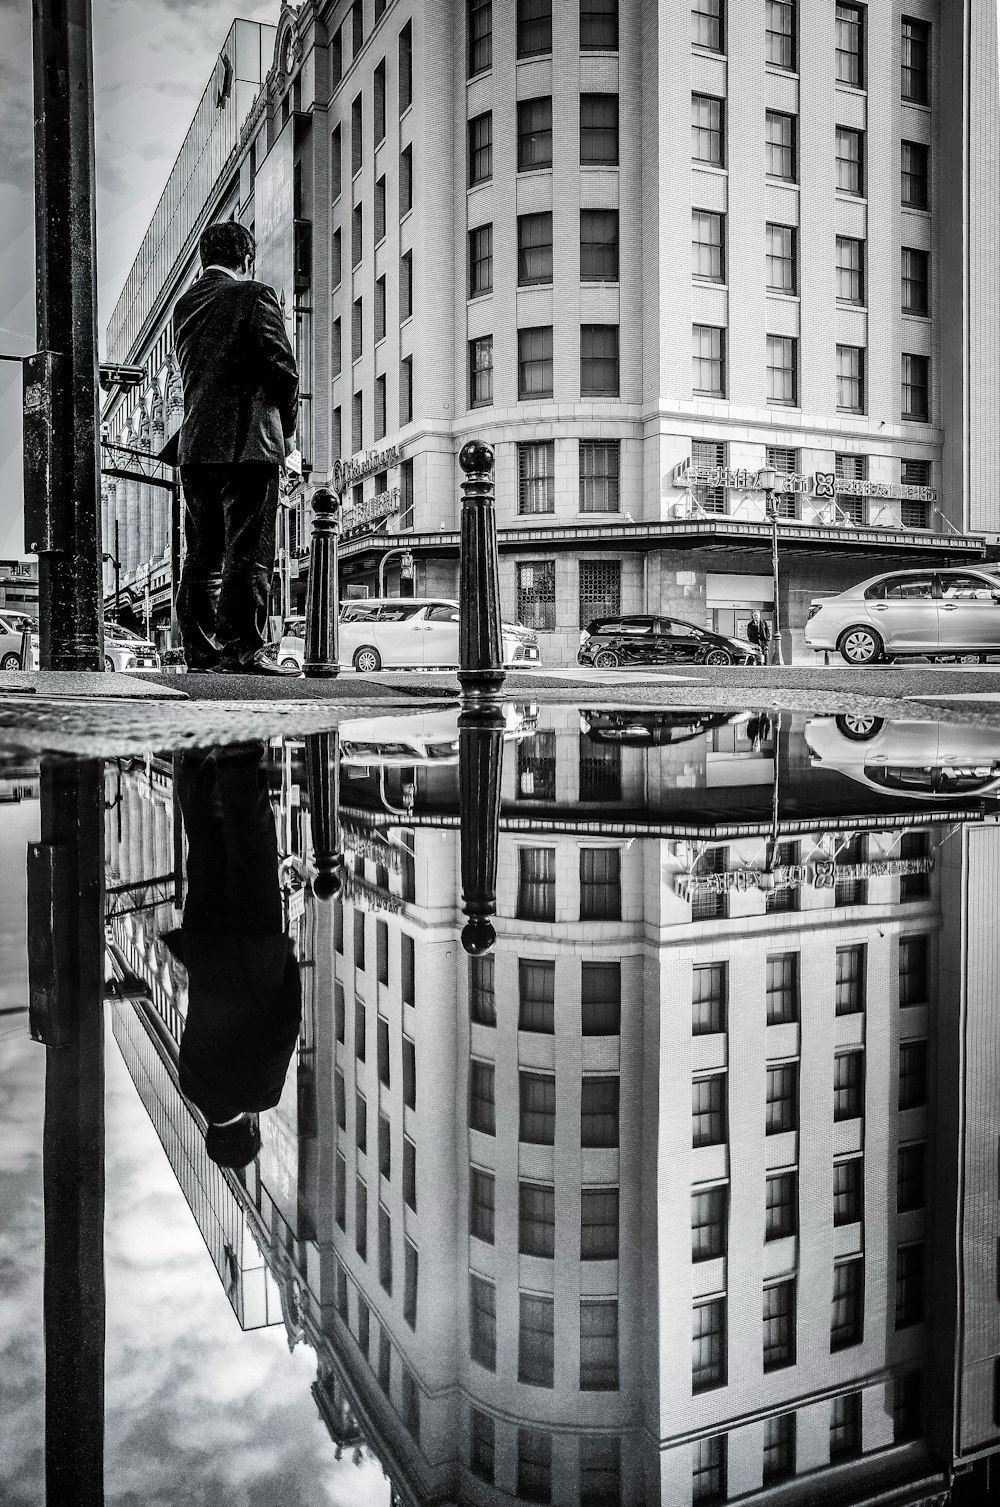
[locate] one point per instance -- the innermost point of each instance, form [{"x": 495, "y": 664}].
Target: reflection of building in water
[{"x": 639, "y": 1207}]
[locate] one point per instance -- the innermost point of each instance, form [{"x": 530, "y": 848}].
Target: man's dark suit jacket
[{"x": 241, "y": 385}]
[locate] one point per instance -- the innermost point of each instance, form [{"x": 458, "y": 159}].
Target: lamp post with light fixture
[{"x": 767, "y": 480}]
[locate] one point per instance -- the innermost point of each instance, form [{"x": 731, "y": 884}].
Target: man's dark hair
[
  {"x": 227, "y": 244},
  {"x": 233, "y": 1145}
]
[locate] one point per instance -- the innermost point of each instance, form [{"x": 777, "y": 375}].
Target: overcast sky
[{"x": 151, "y": 63}]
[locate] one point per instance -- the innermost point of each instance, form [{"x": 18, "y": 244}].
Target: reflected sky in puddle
[{"x": 564, "y": 1104}]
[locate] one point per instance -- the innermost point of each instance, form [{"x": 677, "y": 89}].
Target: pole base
[
  {"x": 481, "y": 682},
  {"x": 320, "y": 672}
]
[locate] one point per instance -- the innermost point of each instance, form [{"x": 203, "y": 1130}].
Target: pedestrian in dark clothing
[
  {"x": 240, "y": 402},
  {"x": 759, "y": 633}
]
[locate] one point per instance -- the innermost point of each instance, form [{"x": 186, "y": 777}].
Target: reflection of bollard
[
  {"x": 323, "y": 779},
  {"x": 322, "y": 656},
  {"x": 480, "y": 647},
  {"x": 480, "y": 762}
]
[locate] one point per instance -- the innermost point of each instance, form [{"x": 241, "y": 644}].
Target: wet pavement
[{"x": 566, "y": 1101}]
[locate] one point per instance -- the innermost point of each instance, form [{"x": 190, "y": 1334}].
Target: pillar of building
[{"x": 145, "y": 506}]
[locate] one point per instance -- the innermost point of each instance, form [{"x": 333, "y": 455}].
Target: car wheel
[
  {"x": 607, "y": 659},
  {"x": 718, "y": 657},
  {"x": 10, "y": 662},
  {"x": 858, "y": 727},
  {"x": 969, "y": 659},
  {"x": 367, "y": 660},
  {"x": 109, "y": 664},
  {"x": 860, "y": 646},
  {"x": 291, "y": 664}
]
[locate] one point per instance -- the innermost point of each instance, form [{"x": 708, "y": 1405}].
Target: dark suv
[{"x": 608, "y": 642}]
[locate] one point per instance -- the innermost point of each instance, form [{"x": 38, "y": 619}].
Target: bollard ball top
[
  {"x": 476, "y": 456},
  {"x": 325, "y": 501},
  {"x": 478, "y": 937},
  {"x": 329, "y": 882}
]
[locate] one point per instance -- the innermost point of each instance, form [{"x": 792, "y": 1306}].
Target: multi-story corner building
[{"x": 645, "y": 251}]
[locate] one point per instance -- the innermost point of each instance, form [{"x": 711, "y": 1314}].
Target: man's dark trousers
[{"x": 230, "y": 515}]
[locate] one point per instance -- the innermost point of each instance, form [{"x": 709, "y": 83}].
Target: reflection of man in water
[{"x": 244, "y": 999}]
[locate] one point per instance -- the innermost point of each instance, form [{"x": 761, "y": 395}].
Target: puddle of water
[{"x": 571, "y": 1104}]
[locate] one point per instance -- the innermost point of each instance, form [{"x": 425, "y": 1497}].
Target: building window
[
  {"x": 782, "y": 376},
  {"x": 598, "y": 130},
  {"x": 384, "y": 1362},
  {"x": 482, "y": 1101},
  {"x": 848, "y": 1085},
  {"x": 780, "y": 144},
  {"x": 482, "y": 1445},
  {"x": 708, "y": 1345},
  {"x": 405, "y": 410},
  {"x": 782, "y": 1097},
  {"x": 536, "y": 995},
  {"x": 534, "y": 27},
  {"x": 405, "y": 286},
  {"x": 779, "y": 1448},
  {"x": 384, "y": 1249},
  {"x": 848, "y": 1190},
  {"x": 405, "y": 181},
  {"x": 909, "y": 1285},
  {"x": 601, "y": 998},
  {"x": 599, "y": 370},
  {"x": 850, "y": 270},
  {"x": 599, "y": 245},
  {"x": 850, "y": 161},
  {"x": 536, "y": 1341},
  {"x": 534, "y": 249},
  {"x": 849, "y": 889},
  {"x": 340, "y": 1191},
  {"x": 480, "y": 22},
  {"x": 916, "y": 388},
  {"x": 850, "y": 45},
  {"x": 912, "y": 1074},
  {"x": 708, "y": 250},
  {"x": 850, "y": 379},
  {"x": 481, "y": 149},
  {"x": 534, "y": 363},
  {"x": 538, "y": 1109},
  {"x": 598, "y": 25},
  {"x": 709, "y": 360},
  {"x": 357, "y": 27},
  {"x": 600, "y": 1470},
  {"x": 340, "y": 1098},
  {"x": 847, "y": 1314},
  {"x": 779, "y": 1325},
  {"x": 405, "y": 68},
  {"x": 845, "y": 1426},
  {"x": 384, "y": 1147},
  {"x": 357, "y": 234},
  {"x": 599, "y": 1111},
  {"x": 709, "y": 904},
  {"x": 600, "y": 771},
  {"x": 336, "y": 163},
  {"x": 779, "y": 34},
  {"x": 913, "y": 970},
  {"x": 708, "y": 1111},
  {"x": 915, "y": 170},
  {"x": 914, "y": 845},
  {"x": 708, "y": 1470},
  {"x": 382, "y": 952},
  {"x": 600, "y": 589},
  {"x": 407, "y": 970},
  {"x": 409, "y": 1073},
  {"x": 483, "y": 1322},
  {"x": 357, "y": 425},
  {"x": 380, "y": 401},
  {"x": 409, "y": 1174},
  {"x": 599, "y": 1224},
  {"x": 336, "y": 259},
  {"x": 915, "y": 82},
  {"x": 357, "y": 329},
  {"x": 379, "y": 313},
  {"x": 708, "y": 999},
  {"x": 599, "y": 1346},
  {"x": 480, "y": 260},
  {"x": 782, "y": 988},
  {"x": 906, "y": 1399},
  {"x": 536, "y": 597},
  {"x": 706, "y": 24},
  {"x": 911, "y": 1177},
  {"x": 534, "y": 134},
  {"x": 378, "y": 81},
  {"x": 600, "y": 471},
  {"x": 357, "y": 136},
  {"x": 850, "y": 995},
  {"x": 536, "y": 767},
  {"x": 536, "y": 478},
  {"x": 600, "y": 884},
  {"x": 536, "y": 1220},
  {"x": 780, "y": 1205},
  {"x": 534, "y": 1465},
  {"x": 782, "y": 268},
  {"x": 482, "y": 1200},
  {"x": 706, "y": 129},
  {"x": 709, "y": 1211},
  {"x": 481, "y": 372},
  {"x": 411, "y": 1266},
  {"x": 361, "y": 1122}
]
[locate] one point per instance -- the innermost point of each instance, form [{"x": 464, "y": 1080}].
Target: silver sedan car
[{"x": 952, "y": 613}]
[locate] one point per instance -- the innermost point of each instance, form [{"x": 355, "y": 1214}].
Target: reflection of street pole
[
  {"x": 66, "y": 989},
  {"x": 480, "y": 763},
  {"x": 323, "y": 783},
  {"x": 766, "y": 881},
  {"x": 767, "y": 479}
]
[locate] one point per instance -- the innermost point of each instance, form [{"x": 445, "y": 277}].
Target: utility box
[{"x": 46, "y": 508}]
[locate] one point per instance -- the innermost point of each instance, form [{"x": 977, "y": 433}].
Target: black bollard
[
  {"x": 480, "y": 763},
  {"x": 323, "y": 781},
  {"x": 27, "y": 655},
  {"x": 480, "y": 647},
  {"x": 322, "y": 656}
]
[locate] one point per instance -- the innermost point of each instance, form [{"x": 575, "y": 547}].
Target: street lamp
[{"x": 767, "y": 480}]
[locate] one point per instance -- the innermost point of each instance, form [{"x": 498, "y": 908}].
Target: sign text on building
[
  {"x": 365, "y": 463},
  {"x": 822, "y": 484},
  {"x": 824, "y": 874},
  {"x": 373, "y": 510}
]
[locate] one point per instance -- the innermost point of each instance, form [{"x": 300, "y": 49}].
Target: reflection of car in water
[
  {"x": 649, "y": 729},
  {"x": 428, "y": 738},
  {"x": 927, "y": 760}
]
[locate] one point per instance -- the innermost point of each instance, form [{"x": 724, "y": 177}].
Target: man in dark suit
[{"x": 240, "y": 401}]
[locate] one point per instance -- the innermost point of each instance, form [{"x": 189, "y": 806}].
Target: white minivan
[{"x": 404, "y": 633}]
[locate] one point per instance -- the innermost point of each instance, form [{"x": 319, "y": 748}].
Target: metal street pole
[
  {"x": 118, "y": 576},
  {"x": 772, "y": 507},
  {"x": 61, "y": 429}
]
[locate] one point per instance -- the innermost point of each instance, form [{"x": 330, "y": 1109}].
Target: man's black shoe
[{"x": 259, "y": 663}]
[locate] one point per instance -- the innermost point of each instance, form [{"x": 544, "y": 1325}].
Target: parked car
[
  {"x": 923, "y": 759},
  {"x": 393, "y": 633},
  {"x": 11, "y": 627},
  {"x": 125, "y": 650},
  {"x": 948, "y": 613},
  {"x": 608, "y": 642}
]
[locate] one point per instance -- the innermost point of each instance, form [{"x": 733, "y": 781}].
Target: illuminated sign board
[
  {"x": 365, "y": 463},
  {"x": 821, "y": 484},
  {"x": 373, "y": 510},
  {"x": 824, "y": 874}
]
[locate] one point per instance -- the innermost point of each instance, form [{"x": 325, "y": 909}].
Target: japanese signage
[
  {"x": 373, "y": 510},
  {"x": 371, "y": 896},
  {"x": 371, "y": 845},
  {"x": 823, "y": 485},
  {"x": 366, "y": 463},
  {"x": 823, "y": 874}
]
